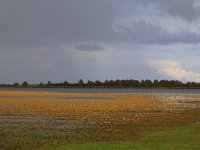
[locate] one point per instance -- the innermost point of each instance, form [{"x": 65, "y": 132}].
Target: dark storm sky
[{"x": 59, "y": 40}]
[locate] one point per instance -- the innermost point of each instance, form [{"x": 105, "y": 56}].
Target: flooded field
[
  {"x": 107, "y": 90},
  {"x": 33, "y": 120}
]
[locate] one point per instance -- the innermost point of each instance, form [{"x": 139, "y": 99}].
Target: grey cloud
[
  {"x": 196, "y": 49},
  {"x": 89, "y": 47},
  {"x": 184, "y": 9},
  {"x": 37, "y": 23},
  {"x": 46, "y": 23},
  {"x": 146, "y": 33},
  {"x": 35, "y": 36}
]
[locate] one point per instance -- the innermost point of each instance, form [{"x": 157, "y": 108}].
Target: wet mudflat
[{"x": 32, "y": 120}]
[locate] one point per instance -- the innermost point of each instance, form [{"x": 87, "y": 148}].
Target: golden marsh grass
[{"x": 51, "y": 115}]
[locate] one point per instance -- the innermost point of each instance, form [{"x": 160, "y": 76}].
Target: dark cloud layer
[
  {"x": 42, "y": 39},
  {"x": 185, "y": 9},
  {"x": 147, "y": 33},
  {"x": 89, "y": 47},
  {"x": 36, "y": 23},
  {"x": 188, "y": 10},
  {"x": 43, "y": 23}
]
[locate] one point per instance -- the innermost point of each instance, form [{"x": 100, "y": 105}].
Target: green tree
[
  {"x": 25, "y": 84},
  {"x": 65, "y": 83},
  {"x": 16, "y": 84},
  {"x": 41, "y": 84},
  {"x": 90, "y": 83},
  {"x": 49, "y": 83},
  {"x": 80, "y": 82}
]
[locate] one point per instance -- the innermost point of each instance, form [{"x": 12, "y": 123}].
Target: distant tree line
[{"x": 110, "y": 83}]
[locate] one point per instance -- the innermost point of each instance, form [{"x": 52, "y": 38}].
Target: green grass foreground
[{"x": 182, "y": 138}]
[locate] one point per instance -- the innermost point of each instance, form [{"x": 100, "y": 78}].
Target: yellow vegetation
[{"x": 123, "y": 116}]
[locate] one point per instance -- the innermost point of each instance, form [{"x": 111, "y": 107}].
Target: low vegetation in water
[{"x": 33, "y": 120}]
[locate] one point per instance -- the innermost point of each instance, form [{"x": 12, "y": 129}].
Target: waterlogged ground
[{"x": 34, "y": 120}]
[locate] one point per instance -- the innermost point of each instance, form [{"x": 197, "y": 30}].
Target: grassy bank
[{"x": 182, "y": 138}]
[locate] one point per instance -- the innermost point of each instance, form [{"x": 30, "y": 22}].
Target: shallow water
[
  {"x": 106, "y": 90},
  {"x": 62, "y": 98}
]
